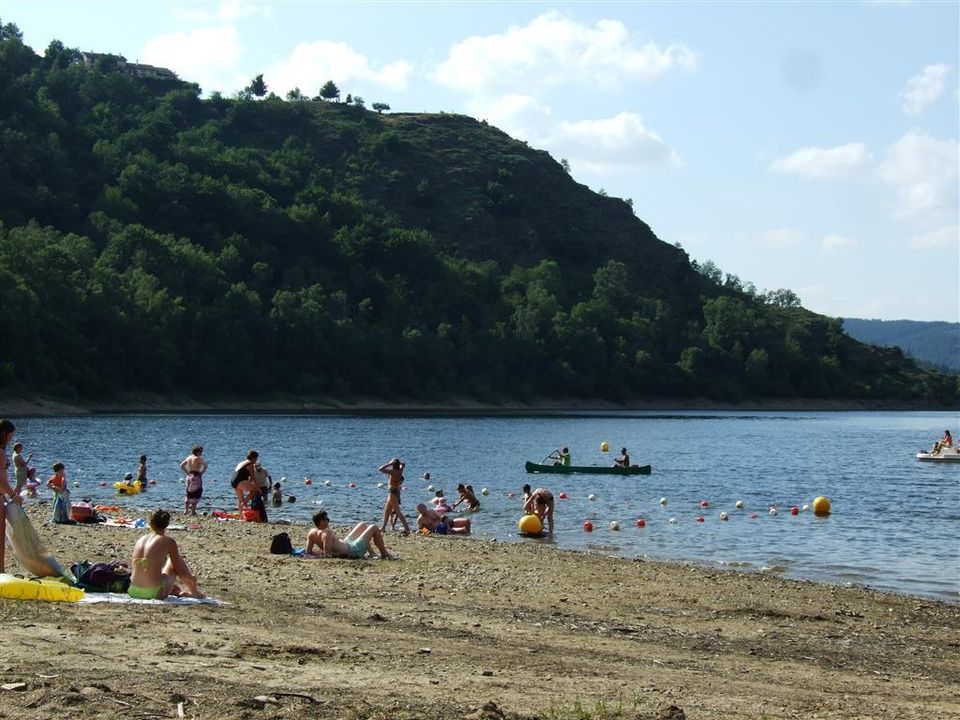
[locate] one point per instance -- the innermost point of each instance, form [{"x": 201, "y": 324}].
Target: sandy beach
[{"x": 468, "y": 628}]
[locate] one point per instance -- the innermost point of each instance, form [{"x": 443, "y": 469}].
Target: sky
[{"x": 809, "y": 146}]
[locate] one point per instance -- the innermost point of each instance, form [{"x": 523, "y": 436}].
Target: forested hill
[
  {"x": 936, "y": 344},
  {"x": 155, "y": 241}
]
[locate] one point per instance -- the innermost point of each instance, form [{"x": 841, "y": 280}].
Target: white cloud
[
  {"x": 816, "y": 162},
  {"x": 924, "y": 89},
  {"x": 621, "y": 141},
  {"x": 519, "y": 115},
  {"x": 924, "y": 172},
  {"x": 553, "y": 50},
  {"x": 781, "y": 238},
  {"x": 207, "y": 56},
  {"x": 225, "y": 12},
  {"x": 945, "y": 237},
  {"x": 837, "y": 243},
  {"x": 310, "y": 65}
]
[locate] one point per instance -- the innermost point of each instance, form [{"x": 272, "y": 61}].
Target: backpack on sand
[{"x": 281, "y": 545}]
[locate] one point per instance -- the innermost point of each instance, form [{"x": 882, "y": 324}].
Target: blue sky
[{"x": 811, "y": 146}]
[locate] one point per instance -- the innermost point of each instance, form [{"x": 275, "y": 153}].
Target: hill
[
  {"x": 151, "y": 240},
  {"x": 934, "y": 344}
]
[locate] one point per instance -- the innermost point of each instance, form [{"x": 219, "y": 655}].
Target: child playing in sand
[{"x": 61, "y": 501}]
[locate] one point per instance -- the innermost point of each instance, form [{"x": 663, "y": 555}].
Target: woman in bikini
[
  {"x": 244, "y": 473},
  {"x": 394, "y": 470},
  {"x": 157, "y": 566}
]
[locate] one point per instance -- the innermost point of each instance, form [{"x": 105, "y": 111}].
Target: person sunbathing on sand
[
  {"x": 433, "y": 520},
  {"x": 323, "y": 542},
  {"x": 158, "y": 567}
]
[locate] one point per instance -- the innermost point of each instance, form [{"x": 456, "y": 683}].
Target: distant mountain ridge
[{"x": 933, "y": 343}]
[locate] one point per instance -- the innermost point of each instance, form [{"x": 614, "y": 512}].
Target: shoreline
[
  {"x": 139, "y": 404},
  {"x": 474, "y": 629}
]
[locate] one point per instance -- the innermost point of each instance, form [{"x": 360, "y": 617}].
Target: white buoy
[
  {"x": 739, "y": 504},
  {"x": 806, "y": 508},
  {"x": 591, "y": 497},
  {"x": 773, "y": 511},
  {"x": 724, "y": 516},
  {"x": 484, "y": 492},
  {"x": 283, "y": 479},
  {"x": 614, "y": 525},
  {"x": 327, "y": 483},
  {"x": 672, "y": 521},
  {"x": 380, "y": 485},
  {"x": 76, "y": 484},
  {"x": 663, "y": 502},
  {"x": 431, "y": 488}
]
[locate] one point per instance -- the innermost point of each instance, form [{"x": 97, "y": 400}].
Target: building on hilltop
[{"x": 118, "y": 62}]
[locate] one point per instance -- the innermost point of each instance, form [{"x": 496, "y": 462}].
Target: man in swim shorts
[
  {"x": 323, "y": 542},
  {"x": 157, "y": 566}
]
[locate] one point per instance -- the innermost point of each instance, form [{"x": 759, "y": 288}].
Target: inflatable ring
[
  {"x": 125, "y": 488},
  {"x": 44, "y": 589}
]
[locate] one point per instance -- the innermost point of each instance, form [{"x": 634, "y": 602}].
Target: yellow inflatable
[
  {"x": 530, "y": 525},
  {"x": 45, "y": 589},
  {"x": 127, "y": 488},
  {"x": 821, "y": 506}
]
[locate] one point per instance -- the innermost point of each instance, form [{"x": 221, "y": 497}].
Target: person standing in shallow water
[
  {"x": 7, "y": 430},
  {"x": 194, "y": 465}
]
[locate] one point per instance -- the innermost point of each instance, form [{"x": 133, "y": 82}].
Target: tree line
[{"x": 151, "y": 240}]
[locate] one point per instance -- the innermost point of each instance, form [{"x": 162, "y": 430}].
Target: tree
[
  {"x": 565, "y": 164},
  {"x": 295, "y": 95},
  {"x": 10, "y": 32},
  {"x": 380, "y": 107},
  {"x": 330, "y": 91},
  {"x": 349, "y": 99},
  {"x": 257, "y": 86},
  {"x": 358, "y": 101}
]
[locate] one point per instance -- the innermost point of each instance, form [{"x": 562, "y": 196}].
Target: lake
[{"x": 894, "y": 524}]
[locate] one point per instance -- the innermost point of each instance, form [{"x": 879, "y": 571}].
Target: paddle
[{"x": 550, "y": 455}]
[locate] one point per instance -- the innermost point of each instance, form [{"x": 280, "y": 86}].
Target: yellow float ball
[
  {"x": 821, "y": 506},
  {"x": 530, "y": 525},
  {"x": 604, "y": 446}
]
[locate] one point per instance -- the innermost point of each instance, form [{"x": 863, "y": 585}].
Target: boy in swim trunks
[
  {"x": 323, "y": 542},
  {"x": 157, "y": 566}
]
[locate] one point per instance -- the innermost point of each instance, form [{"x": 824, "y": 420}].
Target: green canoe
[{"x": 588, "y": 469}]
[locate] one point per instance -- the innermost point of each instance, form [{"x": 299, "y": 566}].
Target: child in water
[{"x": 277, "y": 494}]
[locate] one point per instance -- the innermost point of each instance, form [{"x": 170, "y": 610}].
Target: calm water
[{"x": 894, "y": 526}]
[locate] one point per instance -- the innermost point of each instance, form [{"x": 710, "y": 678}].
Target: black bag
[
  {"x": 281, "y": 545},
  {"x": 101, "y": 577}
]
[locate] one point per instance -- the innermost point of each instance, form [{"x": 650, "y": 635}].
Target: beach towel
[
  {"x": 30, "y": 552},
  {"x": 124, "y": 599}
]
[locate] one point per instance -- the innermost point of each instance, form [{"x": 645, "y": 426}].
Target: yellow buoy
[
  {"x": 821, "y": 506},
  {"x": 530, "y": 525},
  {"x": 604, "y": 446}
]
